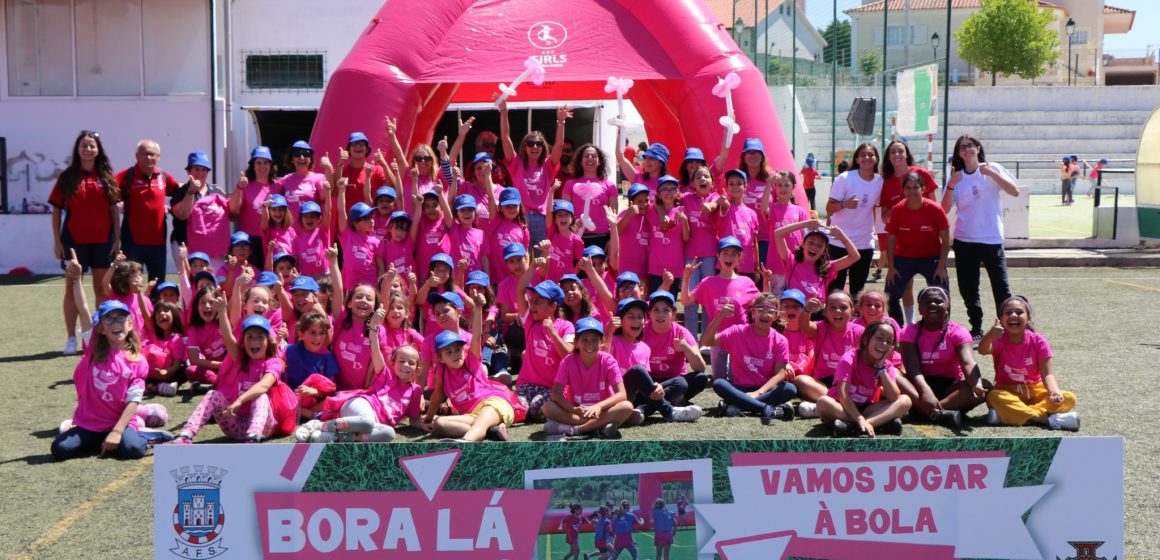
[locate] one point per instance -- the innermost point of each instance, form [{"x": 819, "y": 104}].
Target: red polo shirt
[
  {"x": 916, "y": 231},
  {"x": 145, "y": 200},
  {"x": 892, "y": 187},
  {"x": 86, "y": 212}
]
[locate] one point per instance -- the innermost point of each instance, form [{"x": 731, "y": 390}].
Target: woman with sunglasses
[
  {"x": 974, "y": 187},
  {"x": 533, "y": 168},
  {"x": 421, "y": 163},
  {"x": 303, "y": 184}
]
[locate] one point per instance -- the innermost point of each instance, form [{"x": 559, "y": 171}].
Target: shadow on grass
[
  {"x": 30, "y": 357},
  {"x": 61, "y": 383},
  {"x": 44, "y": 434},
  {"x": 820, "y": 430},
  {"x": 31, "y": 459}
]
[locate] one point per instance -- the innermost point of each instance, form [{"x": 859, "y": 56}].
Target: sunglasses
[
  {"x": 301, "y": 153},
  {"x": 968, "y": 146},
  {"x": 114, "y": 319},
  {"x": 534, "y": 144},
  {"x": 424, "y": 158},
  {"x": 91, "y": 133},
  {"x": 764, "y": 309}
]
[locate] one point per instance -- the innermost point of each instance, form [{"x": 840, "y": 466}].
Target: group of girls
[
  {"x": 612, "y": 528},
  {"x": 286, "y": 330}
]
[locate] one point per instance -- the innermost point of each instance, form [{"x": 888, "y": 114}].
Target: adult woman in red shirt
[
  {"x": 918, "y": 240},
  {"x": 86, "y": 194}
]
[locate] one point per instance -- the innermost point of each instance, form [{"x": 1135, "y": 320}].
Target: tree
[
  {"x": 870, "y": 65},
  {"x": 837, "y": 36},
  {"x": 1010, "y": 37}
]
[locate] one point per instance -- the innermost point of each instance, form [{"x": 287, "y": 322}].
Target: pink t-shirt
[
  {"x": 467, "y": 243},
  {"x": 829, "y": 347},
  {"x": 399, "y": 253},
  {"x": 540, "y": 358},
  {"x": 300, "y": 189},
  {"x": 629, "y": 353},
  {"x": 208, "y": 340},
  {"x": 666, "y": 247},
  {"x": 1019, "y": 363},
  {"x": 468, "y": 386},
  {"x": 164, "y": 353},
  {"x": 397, "y": 338},
  {"x": 133, "y": 302},
  {"x": 664, "y": 360},
  {"x": 634, "y": 240},
  {"x": 861, "y": 379},
  {"x": 483, "y": 218},
  {"x": 896, "y": 356},
  {"x": 382, "y": 225},
  {"x": 592, "y": 195},
  {"x": 741, "y": 222},
  {"x": 504, "y": 234},
  {"x": 352, "y": 349},
  {"x": 801, "y": 351},
  {"x": 394, "y": 401},
  {"x": 804, "y": 276},
  {"x": 533, "y": 182},
  {"x": 250, "y": 210},
  {"x": 567, "y": 248},
  {"x": 208, "y": 228},
  {"x": 781, "y": 215},
  {"x": 282, "y": 237},
  {"x": 310, "y": 248},
  {"x": 358, "y": 264},
  {"x": 651, "y": 182},
  {"x": 589, "y": 385},
  {"x": 105, "y": 388},
  {"x": 754, "y": 188},
  {"x": 702, "y": 225},
  {"x": 430, "y": 325},
  {"x": 432, "y": 240},
  {"x": 938, "y": 352},
  {"x": 406, "y": 194},
  {"x": 714, "y": 292},
  {"x": 753, "y": 358},
  {"x": 234, "y": 381}
]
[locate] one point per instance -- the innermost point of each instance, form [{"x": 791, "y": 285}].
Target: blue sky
[{"x": 1143, "y": 30}]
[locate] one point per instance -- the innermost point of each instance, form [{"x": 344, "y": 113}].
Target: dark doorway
[{"x": 279, "y": 129}]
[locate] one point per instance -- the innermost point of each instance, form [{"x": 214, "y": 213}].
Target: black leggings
[{"x": 858, "y": 272}]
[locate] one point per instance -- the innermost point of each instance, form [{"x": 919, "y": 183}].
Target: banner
[
  {"x": 918, "y": 100},
  {"x": 943, "y": 499}
]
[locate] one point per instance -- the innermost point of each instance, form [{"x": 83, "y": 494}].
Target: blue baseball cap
[
  {"x": 464, "y": 201},
  {"x": 304, "y": 283},
  {"x": 257, "y": 321},
  {"x": 514, "y": 250},
  {"x": 199, "y": 159},
  {"x": 239, "y": 237},
  {"x": 385, "y": 191},
  {"x": 198, "y": 255},
  {"x": 753, "y": 145},
  {"x": 509, "y": 196},
  {"x": 277, "y": 201},
  {"x": 262, "y": 152},
  {"x": 563, "y": 206},
  {"x": 357, "y": 137},
  {"x": 667, "y": 179},
  {"x": 400, "y": 215},
  {"x": 309, "y": 207},
  {"x": 627, "y": 277},
  {"x": 569, "y": 278},
  {"x": 447, "y": 338},
  {"x": 658, "y": 151},
  {"x": 285, "y": 256},
  {"x": 744, "y": 176},
  {"x": 628, "y": 303},
  {"x": 694, "y": 154},
  {"x": 445, "y": 297},
  {"x": 661, "y": 295},
  {"x": 266, "y": 278},
  {"x": 166, "y": 285},
  {"x": 794, "y": 294},
  {"x": 636, "y": 189},
  {"x": 1066, "y": 159},
  {"x": 729, "y": 241},
  {"x": 478, "y": 278},
  {"x": 110, "y": 305},
  {"x": 302, "y": 145},
  {"x": 593, "y": 251},
  {"x": 550, "y": 291},
  {"x": 1103, "y": 160},
  {"x": 442, "y": 258},
  {"x": 810, "y": 159},
  {"x": 360, "y": 210},
  {"x": 481, "y": 156},
  {"x": 586, "y": 324},
  {"x": 204, "y": 274}
]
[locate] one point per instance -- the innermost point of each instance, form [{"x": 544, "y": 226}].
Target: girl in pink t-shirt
[
  {"x": 239, "y": 402},
  {"x": 669, "y": 227},
  {"x": 872, "y": 307},
  {"x": 397, "y": 249},
  {"x": 356, "y": 345},
  {"x": 398, "y": 324},
  {"x": 205, "y": 345},
  {"x": 1026, "y": 389},
  {"x": 808, "y": 267},
  {"x": 782, "y": 212},
  {"x": 465, "y": 239},
  {"x": 942, "y": 378},
  {"x": 358, "y": 242},
  {"x": 758, "y": 177},
  {"x": 625, "y": 341},
  {"x": 673, "y": 351},
  {"x": 482, "y": 189},
  {"x": 798, "y": 333},
  {"x": 110, "y": 382},
  {"x": 254, "y": 185},
  {"x": 277, "y": 225},
  {"x": 510, "y": 227},
  {"x": 865, "y": 395},
  {"x": 164, "y": 349},
  {"x": 429, "y": 230},
  {"x": 714, "y": 292},
  {"x": 596, "y": 401},
  {"x": 701, "y": 208},
  {"x": 533, "y": 167},
  {"x": 564, "y": 245},
  {"x": 833, "y": 338},
  {"x": 738, "y": 220},
  {"x": 123, "y": 283},
  {"x": 758, "y": 357},
  {"x": 548, "y": 339},
  {"x": 312, "y": 237},
  {"x": 634, "y": 234}
]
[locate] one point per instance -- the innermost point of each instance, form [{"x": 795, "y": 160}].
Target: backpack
[{"x": 284, "y": 403}]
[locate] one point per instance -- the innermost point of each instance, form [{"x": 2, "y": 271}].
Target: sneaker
[
  {"x": 779, "y": 412},
  {"x": 893, "y": 427},
  {"x": 1064, "y": 421},
  {"x": 554, "y": 428},
  {"x": 303, "y": 433},
  {"x": 636, "y": 418},
  {"x": 156, "y": 416},
  {"x": 70, "y": 346},
  {"x": 611, "y": 431},
  {"x": 504, "y": 377},
  {"x": 319, "y": 436},
  {"x": 200, "y": 388},
  {"x": 733, "y": 411},
  {"x": 686, "y": 413},
  {"x": 253, "y": 439},
  {"x": 993, "y": 418},
  {"x": 65, "y": 425},
  {"x": 498, "y": 432},
  {"x": 976, "y": 337},
  {"x": 181, "y": 439},
  {"x": 167, "y": 389},
  {"x": 877, "y": 275},
  {"x": 841, "y": 428},
  {"x": 806, "y": 409},
  {"x": 949, "y": 418}
]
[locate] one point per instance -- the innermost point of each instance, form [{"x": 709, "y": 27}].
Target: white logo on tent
[{"x": 547, "y": 35}]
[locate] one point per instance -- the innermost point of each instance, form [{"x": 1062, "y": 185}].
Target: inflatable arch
[{"x": 418, "y": 56}]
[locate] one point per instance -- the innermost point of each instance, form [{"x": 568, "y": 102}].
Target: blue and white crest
[{"x": 198, "y": 517}]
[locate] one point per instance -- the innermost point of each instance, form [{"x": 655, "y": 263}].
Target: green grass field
[
  {"x": 1101, "y": 324},
  {"x": 553, "y": 547}
]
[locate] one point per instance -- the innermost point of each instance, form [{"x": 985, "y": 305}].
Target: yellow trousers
[{"x": 1016, "y": 404}]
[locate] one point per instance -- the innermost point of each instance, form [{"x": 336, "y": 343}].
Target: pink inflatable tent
[{"x": 416, "y": 57}]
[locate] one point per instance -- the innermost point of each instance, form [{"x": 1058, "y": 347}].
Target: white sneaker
[
  {"x": 554, "y": 428},
  {"x": 302, "y": 434},
  {"x": 167, "y": 389},
  {"x": 70, "y": 346},
  {"x": 636, "y": 418},
  {"x": 686, "y": 413},
  {"x": 319, "y": 436},
  {"x": 1064, "y": 421},
  {"x": 65, "y": 425},
  {"x": 993, "y": 418},
  {"x": 807, "y": 409}
]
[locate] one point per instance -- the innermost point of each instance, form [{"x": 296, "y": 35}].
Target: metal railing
[{"x": 1116, "y": 191}]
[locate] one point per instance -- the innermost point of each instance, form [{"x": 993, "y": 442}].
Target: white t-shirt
[
  {"x": 857, "y": 223},
  {"x": 979, "y": 214}
]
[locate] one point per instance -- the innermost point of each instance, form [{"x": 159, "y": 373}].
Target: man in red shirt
[
  {"x": 145, "y": 190},
  {"x": 918, "y": 241}
]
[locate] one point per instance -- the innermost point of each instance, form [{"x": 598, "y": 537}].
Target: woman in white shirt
[
  {"x": 853, "y": 200},
  {"x": 974, "y": 188}
]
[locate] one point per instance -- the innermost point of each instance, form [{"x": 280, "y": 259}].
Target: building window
[
  {"x": 40, "y": 49},
  {"x": 894, "y": 36},
  {"x": 1080, "y": 37},
  {"x": 285, "y": 70},
  {"x": 108, "y": 47}
]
